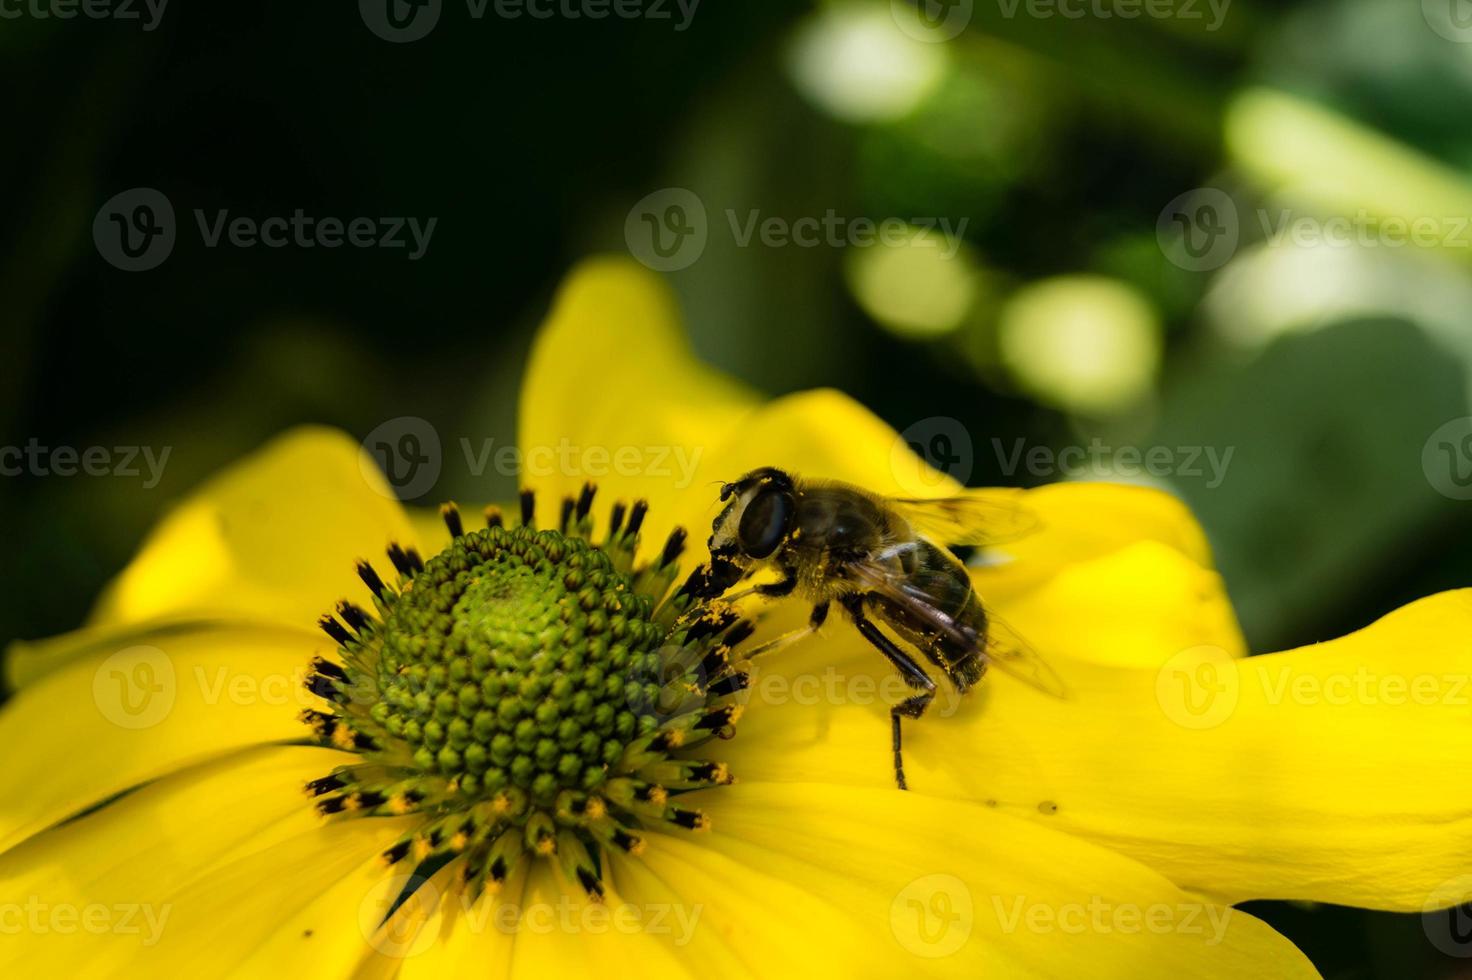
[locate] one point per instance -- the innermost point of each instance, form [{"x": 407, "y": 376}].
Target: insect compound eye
[{"x": 764, "y": 522}]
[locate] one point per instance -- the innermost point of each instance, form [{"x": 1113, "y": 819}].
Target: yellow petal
[
  {"x": 613, "y": 394},
  {"x": 1325, "y": 773},
  {"x": 274, "y": 536},
  {"x": 306, "y": 906},
  {"x": 1042, "y": 903},
  {"x": 148, "y": 705},
  {"x": 201, "y": 869},
  {"x": 443, "y": 934},
  {"x": 821, "y": 881},
  {"x": 1134, "y": 607},
  {"x": 561, "y": 934},
  {"x": 1079, "y": 522},
  {"x": 889, "y": 889}
]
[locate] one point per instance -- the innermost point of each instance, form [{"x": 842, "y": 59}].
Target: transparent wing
[
  {"x": 1003, "y": 646},
  {"x": 978, "y": 517},
  {"x": 1010, "y": 653},
  {"x": 877, "y": 578}
]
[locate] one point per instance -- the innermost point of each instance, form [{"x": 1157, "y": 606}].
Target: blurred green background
[{"x": 1190, "y": 231}]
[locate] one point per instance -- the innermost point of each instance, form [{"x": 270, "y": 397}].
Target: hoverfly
[{"x": 879, "y": 558}]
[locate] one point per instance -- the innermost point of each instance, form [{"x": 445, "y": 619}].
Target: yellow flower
[{"x": 152, "y": 817}]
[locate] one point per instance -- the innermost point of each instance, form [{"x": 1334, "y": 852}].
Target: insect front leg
[
  {"x": 784, "y": 586},
  {"x": 911, "y": 672},
  {"x": 815, "y": 621},
  {"x": 711, "y": 579}
]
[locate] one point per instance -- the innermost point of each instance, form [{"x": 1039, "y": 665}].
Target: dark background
[{"x": 1064, "y": 144}]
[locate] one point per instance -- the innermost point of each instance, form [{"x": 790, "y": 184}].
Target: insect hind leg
[{"x": 911, "y": 672}]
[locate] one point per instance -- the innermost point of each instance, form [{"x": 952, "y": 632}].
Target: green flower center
[
  {"x": 514, "y": 660},
  {"x": 527, "y": 692}
]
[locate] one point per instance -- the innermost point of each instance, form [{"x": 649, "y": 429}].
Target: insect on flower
[{"x": 881, "y": 558}]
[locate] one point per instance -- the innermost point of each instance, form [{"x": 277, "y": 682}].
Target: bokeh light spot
[
  {"x": 921, "y": 287},
  {"x": 853, "y": 62},
  {"x": 1088, "y": 344}
]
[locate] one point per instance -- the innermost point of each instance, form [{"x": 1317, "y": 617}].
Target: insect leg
[
  {"x": 711, "y": 579},
  {"x": 820, "y": 613},
  {"x": 784, "y": 586},
  {"x": 911, "y": 672},
  {"x": 774, "y": 590}
]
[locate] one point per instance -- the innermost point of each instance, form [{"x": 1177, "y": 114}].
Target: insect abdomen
[{"x": 943, "y": 580}]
